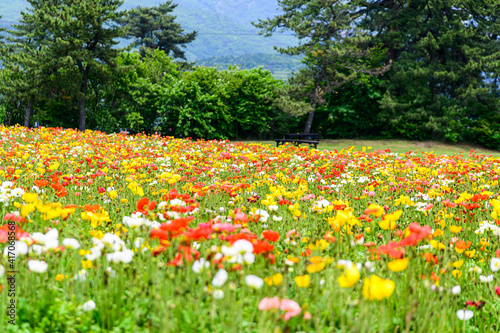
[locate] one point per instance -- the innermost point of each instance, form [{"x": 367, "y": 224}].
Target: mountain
[
  {"x": 281, "y": 65},
  {"x": 223, "y": 26}
]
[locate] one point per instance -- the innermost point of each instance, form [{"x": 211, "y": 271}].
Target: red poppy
[
  {"x": 199, "y": 233},
  {"x": 91, "y": 208},
  {"x": 477, "y": 304},
  {"x": 4, "y": 236},
  {"x": 271, "y": 258},
  {"x": 392, "y": 249},
  {"x": 307, "y": 253},
  {"x": 262, "y": 247},
  {"x": 176, "y": 261},
  {"x": 177, "y": 224},
  {"x": 429, "y": 257},
  {"x": 41, "y": 183},
  {"x": 13, "y": 217},
  {"x": 141, "y": 205},
  {"x": 157, "y": 250},
  {"x": 233, "y": 238},
  {"x": 270, "y": 235},
  {"x": 253, "y": 198},
  {"x": 240, "y": 217}
]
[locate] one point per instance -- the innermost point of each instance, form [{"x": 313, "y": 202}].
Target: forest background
[{"x": 363, "y": 69}]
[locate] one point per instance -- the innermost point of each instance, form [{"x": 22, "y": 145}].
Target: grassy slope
[{"x": 403, "y": 146}]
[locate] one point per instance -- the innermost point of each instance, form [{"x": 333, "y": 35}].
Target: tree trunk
[
  {"x": 81, "y": 102},
  {"x": 29, "y": 112},
  {"x": 314, "y": 102},
  {"x": 309, "y": 122}
]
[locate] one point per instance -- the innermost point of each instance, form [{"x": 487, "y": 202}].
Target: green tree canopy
[
  {"x": 28, "y": 64},
  {"x": 155, "y": 28},
  {"x": 79, "y": 36},
  {"x": 446, "y": 56},
  {"x": 333, "y": 46}
]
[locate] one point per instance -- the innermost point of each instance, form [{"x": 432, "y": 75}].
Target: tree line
[{"x": 399, "y": 69}]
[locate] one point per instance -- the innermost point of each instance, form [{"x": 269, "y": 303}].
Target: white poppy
[
  {"x": 37, "y": 266},
  {"x": 495, "y": 264},
  {"x": 89, "y": 306},
  {"x": 36, "y": 249},
  {"x": 218, "y": 294},
  {"x": 177, "y": 202},
  {"x": 7, "y": 184},
  {"x": 456, "y": 290},
  {"x": 51, "y": 244},
  {"x": 124, "y": 256},
  {"x": 199, "y": 265},
  {"x": 249, "y": 258},
  {"x": 220, "y": 278},
  {"x": 465, "y": 314},
  {"x": 254, "y": 281},
  {"x": 263, "y": 215},
  {"x": 95, "y": 253},
  {"x": 52, "y": 234},
  {"x": 133, "y": 222},
  {"x": 243, "y": 246},
  {"x": 19, "y": 248},
  {"x": 486, "y": 279},
  {"x": 81, "y": 275},
  {"x": 71, "y": 243},
  {"x": 346, "y": 264},
  {"x": 17, "y": 192}
]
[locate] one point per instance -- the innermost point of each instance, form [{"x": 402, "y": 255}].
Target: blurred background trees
[{"x": 364, "y": 69}]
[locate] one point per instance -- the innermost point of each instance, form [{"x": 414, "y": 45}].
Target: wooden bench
[
  {"x": 296, "y": 142},
  {"x": 311, "y": 139}
]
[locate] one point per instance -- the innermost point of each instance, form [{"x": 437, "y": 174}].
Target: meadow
[{"x": 117, "y": 233}]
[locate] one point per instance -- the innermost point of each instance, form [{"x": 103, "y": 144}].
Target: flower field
[{"x": 150, "y": 234}]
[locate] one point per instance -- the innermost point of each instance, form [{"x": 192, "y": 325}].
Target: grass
[{"x": 403, "y": 146}]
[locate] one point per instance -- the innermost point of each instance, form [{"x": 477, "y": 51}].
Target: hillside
[
  {"x": 223, "y": 26},
  {"x": 279, "y": 64}
]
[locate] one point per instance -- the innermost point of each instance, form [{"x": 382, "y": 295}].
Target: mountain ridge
[{"x": 224, "y": 26}]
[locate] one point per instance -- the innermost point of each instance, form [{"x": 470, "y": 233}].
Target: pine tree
[
  {"x": 27, "y": 64},
  {"x": 2, "y": 30},
  {"x": 76, "y": 36},
  {"x": 155, "y": 28},
  {"x": 330, "y": 43},
  {"x": 446, "y": 56}
]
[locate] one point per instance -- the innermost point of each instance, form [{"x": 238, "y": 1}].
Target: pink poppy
[
  {"x": 292, "y": 308},
  {"x": 269, "y": 303},
  {"x": 220, "y": 227}
]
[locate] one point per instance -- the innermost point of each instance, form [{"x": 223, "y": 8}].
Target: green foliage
[
  {"x": 151, "y": 94},
  {"x": 154, "y": 28},
  {"x": 334, "y": 53},
  {"x": 131, "y": 96},
  {"x": 78, "y": 38},
  {"x": 282, "y": 66},
  {"x": 351, "y": 111},
  {"x": 445, "y": 56},
  {"x": 211, "y": 104}
]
